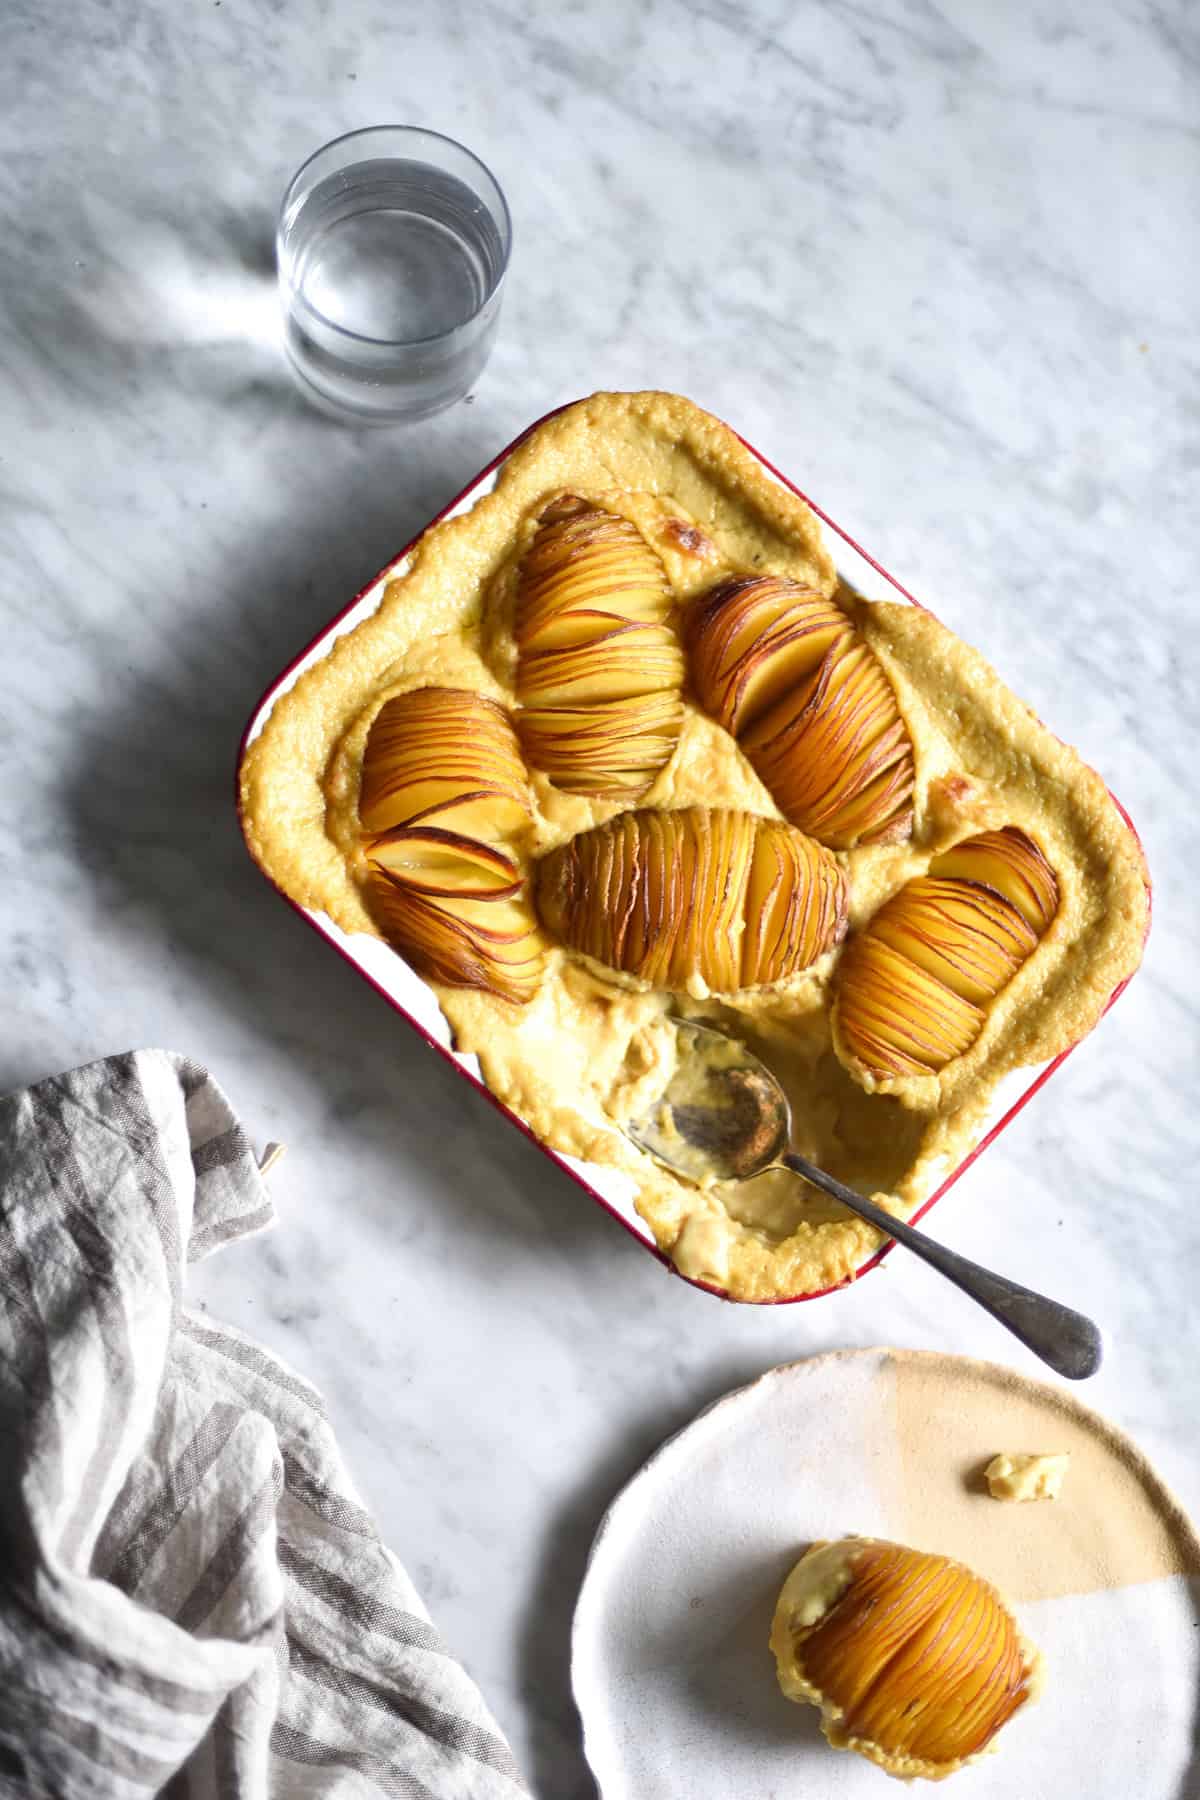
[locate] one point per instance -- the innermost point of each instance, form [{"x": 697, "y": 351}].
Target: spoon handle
[{"x": 1065, "y": 1339}]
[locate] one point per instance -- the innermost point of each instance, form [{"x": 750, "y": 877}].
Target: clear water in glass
[{"x": 391, "y": 270}]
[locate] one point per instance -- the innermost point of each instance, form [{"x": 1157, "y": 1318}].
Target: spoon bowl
[{"x": 721, "y": 1117}]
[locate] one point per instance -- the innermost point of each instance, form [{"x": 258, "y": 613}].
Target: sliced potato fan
[
  {"x": 784, "y": 670},
  {"x": 443, "y": 756},
  {"x": 599, "y": 668},
  {"x": 442, "y": 781},
  {"x": 913, "y": 987},
  {"x": 694, "y": 898},
  {"x": 752, "y": 640},
  {"x": 1009, "y": 863},
  {"x": 914, "y": 1660}
]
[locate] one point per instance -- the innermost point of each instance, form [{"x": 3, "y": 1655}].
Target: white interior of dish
[{"x": 414, "y": 997}]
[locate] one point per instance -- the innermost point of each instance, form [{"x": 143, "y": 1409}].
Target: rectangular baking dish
[{"x": 387, "y": 972}]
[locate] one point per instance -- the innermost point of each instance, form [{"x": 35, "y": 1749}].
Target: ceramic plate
[{"x": 671, "y": 1669}]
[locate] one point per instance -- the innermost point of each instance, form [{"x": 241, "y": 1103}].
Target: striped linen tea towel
[{"x": 192, "y": 1599}]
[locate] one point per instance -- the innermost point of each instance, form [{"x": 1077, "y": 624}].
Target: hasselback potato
[
  {"x": 694, "y": 900},
  {"x": 599, "y": 667},
  {"x": 783, "y": 669},
  {"x": 442, "y": 781},
  {"x": 914, "y": 1660},
  {"x": 913, "y": 987}
]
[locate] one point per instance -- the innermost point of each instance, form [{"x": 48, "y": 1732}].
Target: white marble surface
[{"x": 940, "y": 263}]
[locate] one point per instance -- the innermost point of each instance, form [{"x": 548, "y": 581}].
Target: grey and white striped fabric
[{"x": 192, "y": 1599}]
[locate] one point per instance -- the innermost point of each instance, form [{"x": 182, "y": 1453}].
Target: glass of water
[{"x": 392, "y": 245}]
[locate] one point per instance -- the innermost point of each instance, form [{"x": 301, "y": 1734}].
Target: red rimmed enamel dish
[{"x": 416, "y": 1000}]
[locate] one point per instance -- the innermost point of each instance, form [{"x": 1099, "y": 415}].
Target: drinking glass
[{"x": 392, "y": 246}]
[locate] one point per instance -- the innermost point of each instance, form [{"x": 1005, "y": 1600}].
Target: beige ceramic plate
[{"x": 671, "y": 1668}]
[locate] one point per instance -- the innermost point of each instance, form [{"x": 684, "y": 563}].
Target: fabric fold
[{"x": 193, "y": 1598}]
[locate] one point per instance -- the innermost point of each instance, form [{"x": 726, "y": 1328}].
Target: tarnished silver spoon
[{"x": 724, "y": 1117}]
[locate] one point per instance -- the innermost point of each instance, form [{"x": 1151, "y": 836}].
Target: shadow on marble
[
  {"x": 164, "y": 307},
  {"x": 556, "y": 1763},
  {"x": 150, "y": 800},
  {"x": 1191, "y": 1781},
  {"x": 251, "y": 239}
]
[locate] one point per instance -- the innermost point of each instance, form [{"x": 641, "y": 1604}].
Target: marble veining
[{"x": 941, "y": 264}]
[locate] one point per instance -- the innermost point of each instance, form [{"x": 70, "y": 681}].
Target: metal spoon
[{"x": 724, "y": 1116}]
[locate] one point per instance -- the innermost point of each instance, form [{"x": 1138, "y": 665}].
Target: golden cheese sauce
[
  {"x": 569, "y": 1062},
  {"x": 1019, "y": 1476}
]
